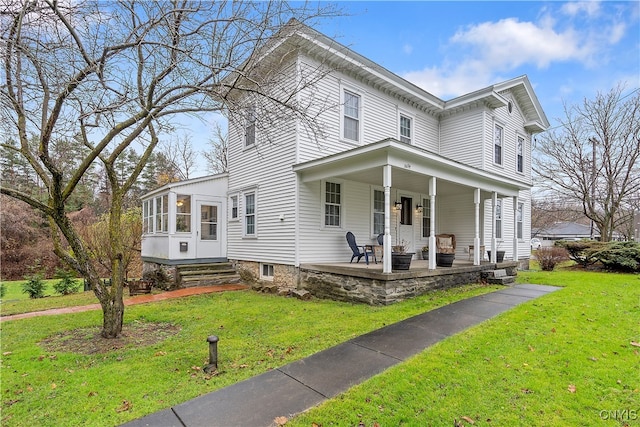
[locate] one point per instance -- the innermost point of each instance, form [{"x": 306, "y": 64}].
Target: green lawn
[
  {"x": 257, "y": 332},
  {"x": 566, "y": 359},
  {"x": 16, "y": 301}
]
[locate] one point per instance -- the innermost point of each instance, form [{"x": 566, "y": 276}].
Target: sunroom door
[{"x": 209, "y": 236}]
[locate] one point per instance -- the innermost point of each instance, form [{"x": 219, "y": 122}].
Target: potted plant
[
  {"x": 499, "y": 254},
  {"x": 400, "y": 258},
  {"x": 425, "y": 252}
]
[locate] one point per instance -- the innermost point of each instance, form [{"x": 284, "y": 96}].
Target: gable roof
[{"x": 330, "y": 52}]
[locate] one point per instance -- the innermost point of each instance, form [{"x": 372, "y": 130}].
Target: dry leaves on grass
[
  {"x": 571, "y": 388},
  {"x": 280, "y": 421},
  {"x": 126, "y": 405}
]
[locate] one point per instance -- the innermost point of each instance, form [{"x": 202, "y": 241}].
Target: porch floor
[{"x": 418, "y": 268}]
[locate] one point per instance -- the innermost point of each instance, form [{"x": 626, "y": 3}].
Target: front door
[
  {"x": 406, "y": 235},
  {"x": 209, "y": 238}
]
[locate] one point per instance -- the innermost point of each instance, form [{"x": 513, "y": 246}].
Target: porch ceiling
[{"x": 411, "y": 169}]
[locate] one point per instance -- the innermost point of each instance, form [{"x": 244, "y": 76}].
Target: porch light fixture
[
  {"x": 419, "y": 208},
  {"x": 397, "y": 205}
]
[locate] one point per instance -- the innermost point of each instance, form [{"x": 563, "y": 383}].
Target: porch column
[
  {"x": 476, "y": 239},
  {"x": 515, "y": 228},
  {"x": 494, "y": 241},
  {"x": 432, "y": 235},
  {"x": 386, "y": 249}
]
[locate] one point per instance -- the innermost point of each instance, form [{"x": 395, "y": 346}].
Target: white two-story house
[{"x": 392, "y": 159}]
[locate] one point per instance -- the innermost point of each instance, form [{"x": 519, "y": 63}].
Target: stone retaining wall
[{"x": 381, "y": 289}]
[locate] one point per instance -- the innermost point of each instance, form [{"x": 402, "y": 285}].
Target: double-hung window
[
  {"x": 519, "y": 215},
  {"x": 378, "y": 212},
  {"x": 250, "y": 214},
  {"x": 499, "y": 219},
  {"x": 332, "y": 204},
  {"x": 351, "y": 117},
  {"x": 498, "y": 139},
  {"x": 520, "y": 155},
  {"x": 250, "y": 127},
  {"x": 405, "y": 129},
  {"x": 426, "y": 218},
  {"x": 234, "y": 207}
]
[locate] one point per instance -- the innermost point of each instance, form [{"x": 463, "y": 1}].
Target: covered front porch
[
  {"x": 369, "y": 284},
  {"x": 407, "y": 195}
]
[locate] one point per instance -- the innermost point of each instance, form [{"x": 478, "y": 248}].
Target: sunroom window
[{"x": 183, "y": 213}]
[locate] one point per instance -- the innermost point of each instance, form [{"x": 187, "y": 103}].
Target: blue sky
[{"x": 569, "y": 50}]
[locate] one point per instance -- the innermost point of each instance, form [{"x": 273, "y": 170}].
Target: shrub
[
  {"x": 34, "y": 286},
  {"x": 620, "y": 256},
  {"x": 3, "y": 290},
  {"x": 582, "y": 252},
  {"x": 67, "y": 283},
  {"x": 549, "y": 257}
]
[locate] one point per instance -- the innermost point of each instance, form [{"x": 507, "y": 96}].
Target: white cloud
[
  {"x": 476, "y": 55},
  {"x": 510, "y": 43},
  {"x": 407, "y": 49},
  {"x": 591, "y": 8}
]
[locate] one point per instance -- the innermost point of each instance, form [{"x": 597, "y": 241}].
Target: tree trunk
[{"x": 112, "y": 317}]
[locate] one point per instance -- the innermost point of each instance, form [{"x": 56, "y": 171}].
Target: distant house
[
  {"x": 566, "y": 231},
  {"x": 395, "y": 160}
]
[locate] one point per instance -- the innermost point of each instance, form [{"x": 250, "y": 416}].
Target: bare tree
[
  {"x": 216, "y": 155},
  {"x": 179, "y": 152},
  {"x": 593, "y": 158},
  {"x": 113, "y": 75},
  {"x": 547, "y": 211}
]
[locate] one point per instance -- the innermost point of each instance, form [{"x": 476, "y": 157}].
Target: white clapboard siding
[
  {"x": 461, "y": 136},
  {"x": 380, "y": 117},
  {"x": 506, "y": 242},
  {"x": 455, "y": 215},
  {"x": 266, "y": 169},
  {"x": 513, "y": 125},
  {"x": 329, "y": 244}
]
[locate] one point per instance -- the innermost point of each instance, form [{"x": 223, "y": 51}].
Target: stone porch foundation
[{"x": 343, "y": 283}]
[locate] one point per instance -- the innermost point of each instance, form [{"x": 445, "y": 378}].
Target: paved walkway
[
  {"x": 139, "y": 299},
  {"x": 298, "y": 386}
]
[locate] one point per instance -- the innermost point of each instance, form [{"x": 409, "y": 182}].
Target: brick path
[{"x": 139, "y": 299}]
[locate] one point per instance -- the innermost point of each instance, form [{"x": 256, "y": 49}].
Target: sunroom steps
[{"x": 192, "y": 275}]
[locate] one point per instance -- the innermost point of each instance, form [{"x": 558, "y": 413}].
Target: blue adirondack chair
[{"x": 358, "y": 251}]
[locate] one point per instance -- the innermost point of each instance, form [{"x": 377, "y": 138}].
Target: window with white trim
[
  {"x": 519, "y": 222},
  {"x": 250, "y": 127},
  {"x": 234, "y": 207},
  {"x": 405, "y": 129},
  {"x": 499, "y": 219},
  {"x": 332, "y": 204},
  {"x": 378, "y": 212},
  {"x": 183, "y": 213},
  {"x": 426, "y": 217},
  {"x": 351, "y": 116},
  {"x": 162, "y": 214},
  {"x": 266, "y": 272},
  {"x": 520, "y": 155},
  {"x": 250, "y": 214},
  {"x": 498, "y": 140},
  {"x": 147, "y": 216}
]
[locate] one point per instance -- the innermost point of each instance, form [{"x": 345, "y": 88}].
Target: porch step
[
  {"x": 499, "y": 277},
  {"x": 193, "y": 275}
]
